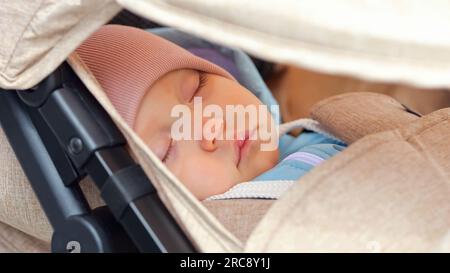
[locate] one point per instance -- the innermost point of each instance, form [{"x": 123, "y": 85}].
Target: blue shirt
[{"x": 300, "y": 154}]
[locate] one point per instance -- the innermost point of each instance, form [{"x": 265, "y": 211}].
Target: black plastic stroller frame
[{"x": 60, "y": 134}]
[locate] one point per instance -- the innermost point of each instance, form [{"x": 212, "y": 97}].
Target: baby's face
[{"x": 207, "y": 166}]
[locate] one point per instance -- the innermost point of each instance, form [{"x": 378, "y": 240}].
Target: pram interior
[{"x": 143, "y": 231}]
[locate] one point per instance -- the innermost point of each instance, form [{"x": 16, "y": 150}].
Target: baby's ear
[{"x": 352, "y": 116}]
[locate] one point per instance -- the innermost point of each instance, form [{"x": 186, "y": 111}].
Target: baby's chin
[
  {"x": 258, "y": 164},
  {"x": 272, "y": 160}
]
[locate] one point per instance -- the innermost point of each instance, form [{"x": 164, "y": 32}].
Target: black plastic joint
[
  {"x": 78, "y": 124},
  {"x": 37, "y": 96},
  {"x": 125, "y": 186}
]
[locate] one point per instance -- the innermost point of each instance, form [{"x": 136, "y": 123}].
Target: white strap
[{"x": 272, "y": 189}]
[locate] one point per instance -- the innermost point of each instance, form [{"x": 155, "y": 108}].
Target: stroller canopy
[{"x": 387, "y": 40}]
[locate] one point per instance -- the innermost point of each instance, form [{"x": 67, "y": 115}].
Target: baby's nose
[
  {"x": 208, "y": 145},
  {"x": 212, "y": 132}
]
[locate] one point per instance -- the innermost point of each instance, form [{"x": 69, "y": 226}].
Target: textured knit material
[{"x": 126, "y": 61}]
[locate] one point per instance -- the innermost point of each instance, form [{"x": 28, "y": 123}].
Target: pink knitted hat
[{"x": 126, "y": 61}]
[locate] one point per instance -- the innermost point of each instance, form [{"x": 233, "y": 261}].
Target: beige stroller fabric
[
  {"x": 387, "y": 192},
  {"x": 355, "y": 115},
  {"x": 12, "y": 240},
  {"x": 38, "y": 35},
  {"x": 400, "y": 40}
]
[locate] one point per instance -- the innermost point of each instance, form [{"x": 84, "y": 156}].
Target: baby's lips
[
  {"x": 237, "y": 144},
  {"x": 241, "y": 144}
]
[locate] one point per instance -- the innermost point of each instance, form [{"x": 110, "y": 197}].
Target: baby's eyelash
[
  {"x": 202, "y": 80},
  {"x": 169, "y": 150}
]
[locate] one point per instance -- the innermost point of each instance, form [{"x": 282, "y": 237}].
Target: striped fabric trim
[{"x": 305, "y": 157}]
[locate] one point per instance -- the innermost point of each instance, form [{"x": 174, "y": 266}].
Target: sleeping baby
[{"x": 147, "y": 77}]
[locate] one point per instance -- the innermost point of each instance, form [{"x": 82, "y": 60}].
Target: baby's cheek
[
  {"x": 206, "y": 177},
  {"x": 258, "y": 162}
]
